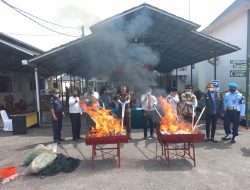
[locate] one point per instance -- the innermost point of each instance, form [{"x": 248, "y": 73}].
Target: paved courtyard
[{"x": 219, "y": 166}]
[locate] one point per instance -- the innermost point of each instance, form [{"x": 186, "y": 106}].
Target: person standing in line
[
  {"x": 75, "y": 115},
  {"x": 124, "y": 98},
  {"x": 148, "y": 101},
  {"x": 189, "y": 103},
  {"x": 232, "y": 104},
  {"x": 96, "y": 94},
  {"x": 213, "y": 103},
  {"x": 105, "y": 98},
  {"x": 57, "y": 113}
]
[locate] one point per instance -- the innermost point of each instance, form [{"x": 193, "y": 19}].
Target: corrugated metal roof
[
  {"x": 172, "y": 38},
  {"x": 139, "y": 9},
  {"x": 19, "y": 45},
  {"x": 13, "y": 51}
]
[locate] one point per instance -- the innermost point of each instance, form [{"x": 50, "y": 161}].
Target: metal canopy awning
[
  {"x": 174, "y": 39},
  {"x": 13, "y": 51}
]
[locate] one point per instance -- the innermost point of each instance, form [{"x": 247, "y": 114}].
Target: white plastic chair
[{"x": 6, "y": 121}]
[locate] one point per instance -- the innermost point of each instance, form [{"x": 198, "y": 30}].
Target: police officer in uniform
[
  {"x": 232, "y": 103},
  {"x": 213, "y": 103},
  {"x": 57, "y": 113}
]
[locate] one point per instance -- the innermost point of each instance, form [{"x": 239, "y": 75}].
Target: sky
[{"x": 77, "y": 13}]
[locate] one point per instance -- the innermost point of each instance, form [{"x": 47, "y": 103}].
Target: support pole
[
  {"x": 191, "y": 76},
  {"x": 70, "y": 83},
  {"x": 80, "y": 86},
  {"x": 248, "y": 72},
  {"x": 62, "y": 88},
  {"x": 167, "y": 82},
  {"x": 56, "y": 82},
  {"x": 160, "y": 80},
  {"x": 189, "y": 9},
  {"x": 87, "y": 82},
  {"x": 33, "y": 90},
  {"x": 74, "y": 81},
  {"x": 176, "y": 78},
  {"x": 215, "y": 64},
  {"x": 37, "y": 97}
]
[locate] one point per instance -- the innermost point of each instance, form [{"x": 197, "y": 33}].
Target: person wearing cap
[
  {"x": 213, "y": 103},
  {"x": 57, "y": 113},
  {"x": 188, "y": 102},
  {"x": 232, "y": 104}
]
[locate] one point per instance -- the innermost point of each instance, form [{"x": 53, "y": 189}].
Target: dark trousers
[
  {"x": 188, "y": 118},
  {"x": 57, "y": 128},
  {"x": 148, "y": 118},
  {"x": 127, "y": 122},
  {"x": 231, "y": 116},
  {"x": 76, "y": 125},
  {"x": 211, "y": 118}
]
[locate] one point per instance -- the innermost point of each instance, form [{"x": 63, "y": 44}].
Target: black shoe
[
  {"x": 206, "y": 139},
  {"x": 75, "y": 139},
  {"x": 152, "y": 136},
  {"x": 145, "y": 138},
  {"x": 61, "y": 139},
  {"x": 233, "y": 141},
  {"x": 227, "y": 137},
  {"x": 129, "y": 138},
  {"x": 214, "y": 140},
  {"x": 80, "y": 138},
  {"x": 57, "y": 142}
]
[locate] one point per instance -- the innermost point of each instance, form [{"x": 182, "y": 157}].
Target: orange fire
[
  {"x": 169, "y": 123},
  {"x": 106, "y": 123}
]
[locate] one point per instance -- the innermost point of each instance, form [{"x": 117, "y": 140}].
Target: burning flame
[
  {"x": 106, "y": 123},
  {"x": 169, "y": 122}
]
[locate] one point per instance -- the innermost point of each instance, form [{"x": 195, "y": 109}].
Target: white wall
[{"x": 233, "y": 32}]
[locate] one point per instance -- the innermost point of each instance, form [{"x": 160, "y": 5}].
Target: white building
[{"x": 230, "y": 26}]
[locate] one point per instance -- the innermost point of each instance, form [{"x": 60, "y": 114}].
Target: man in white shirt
[
  {"x": 148, "y": 103},
  {"x": 91, "y": 96},
  {"x": 173, "y": 99},
  {"x": 74, "y": 112},
  {"x": 96, "y": 94}
]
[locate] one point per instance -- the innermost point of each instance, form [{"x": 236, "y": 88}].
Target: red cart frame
[
  {"x": 95, "y": 141},
  {"x": 188, "y": 141}
]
